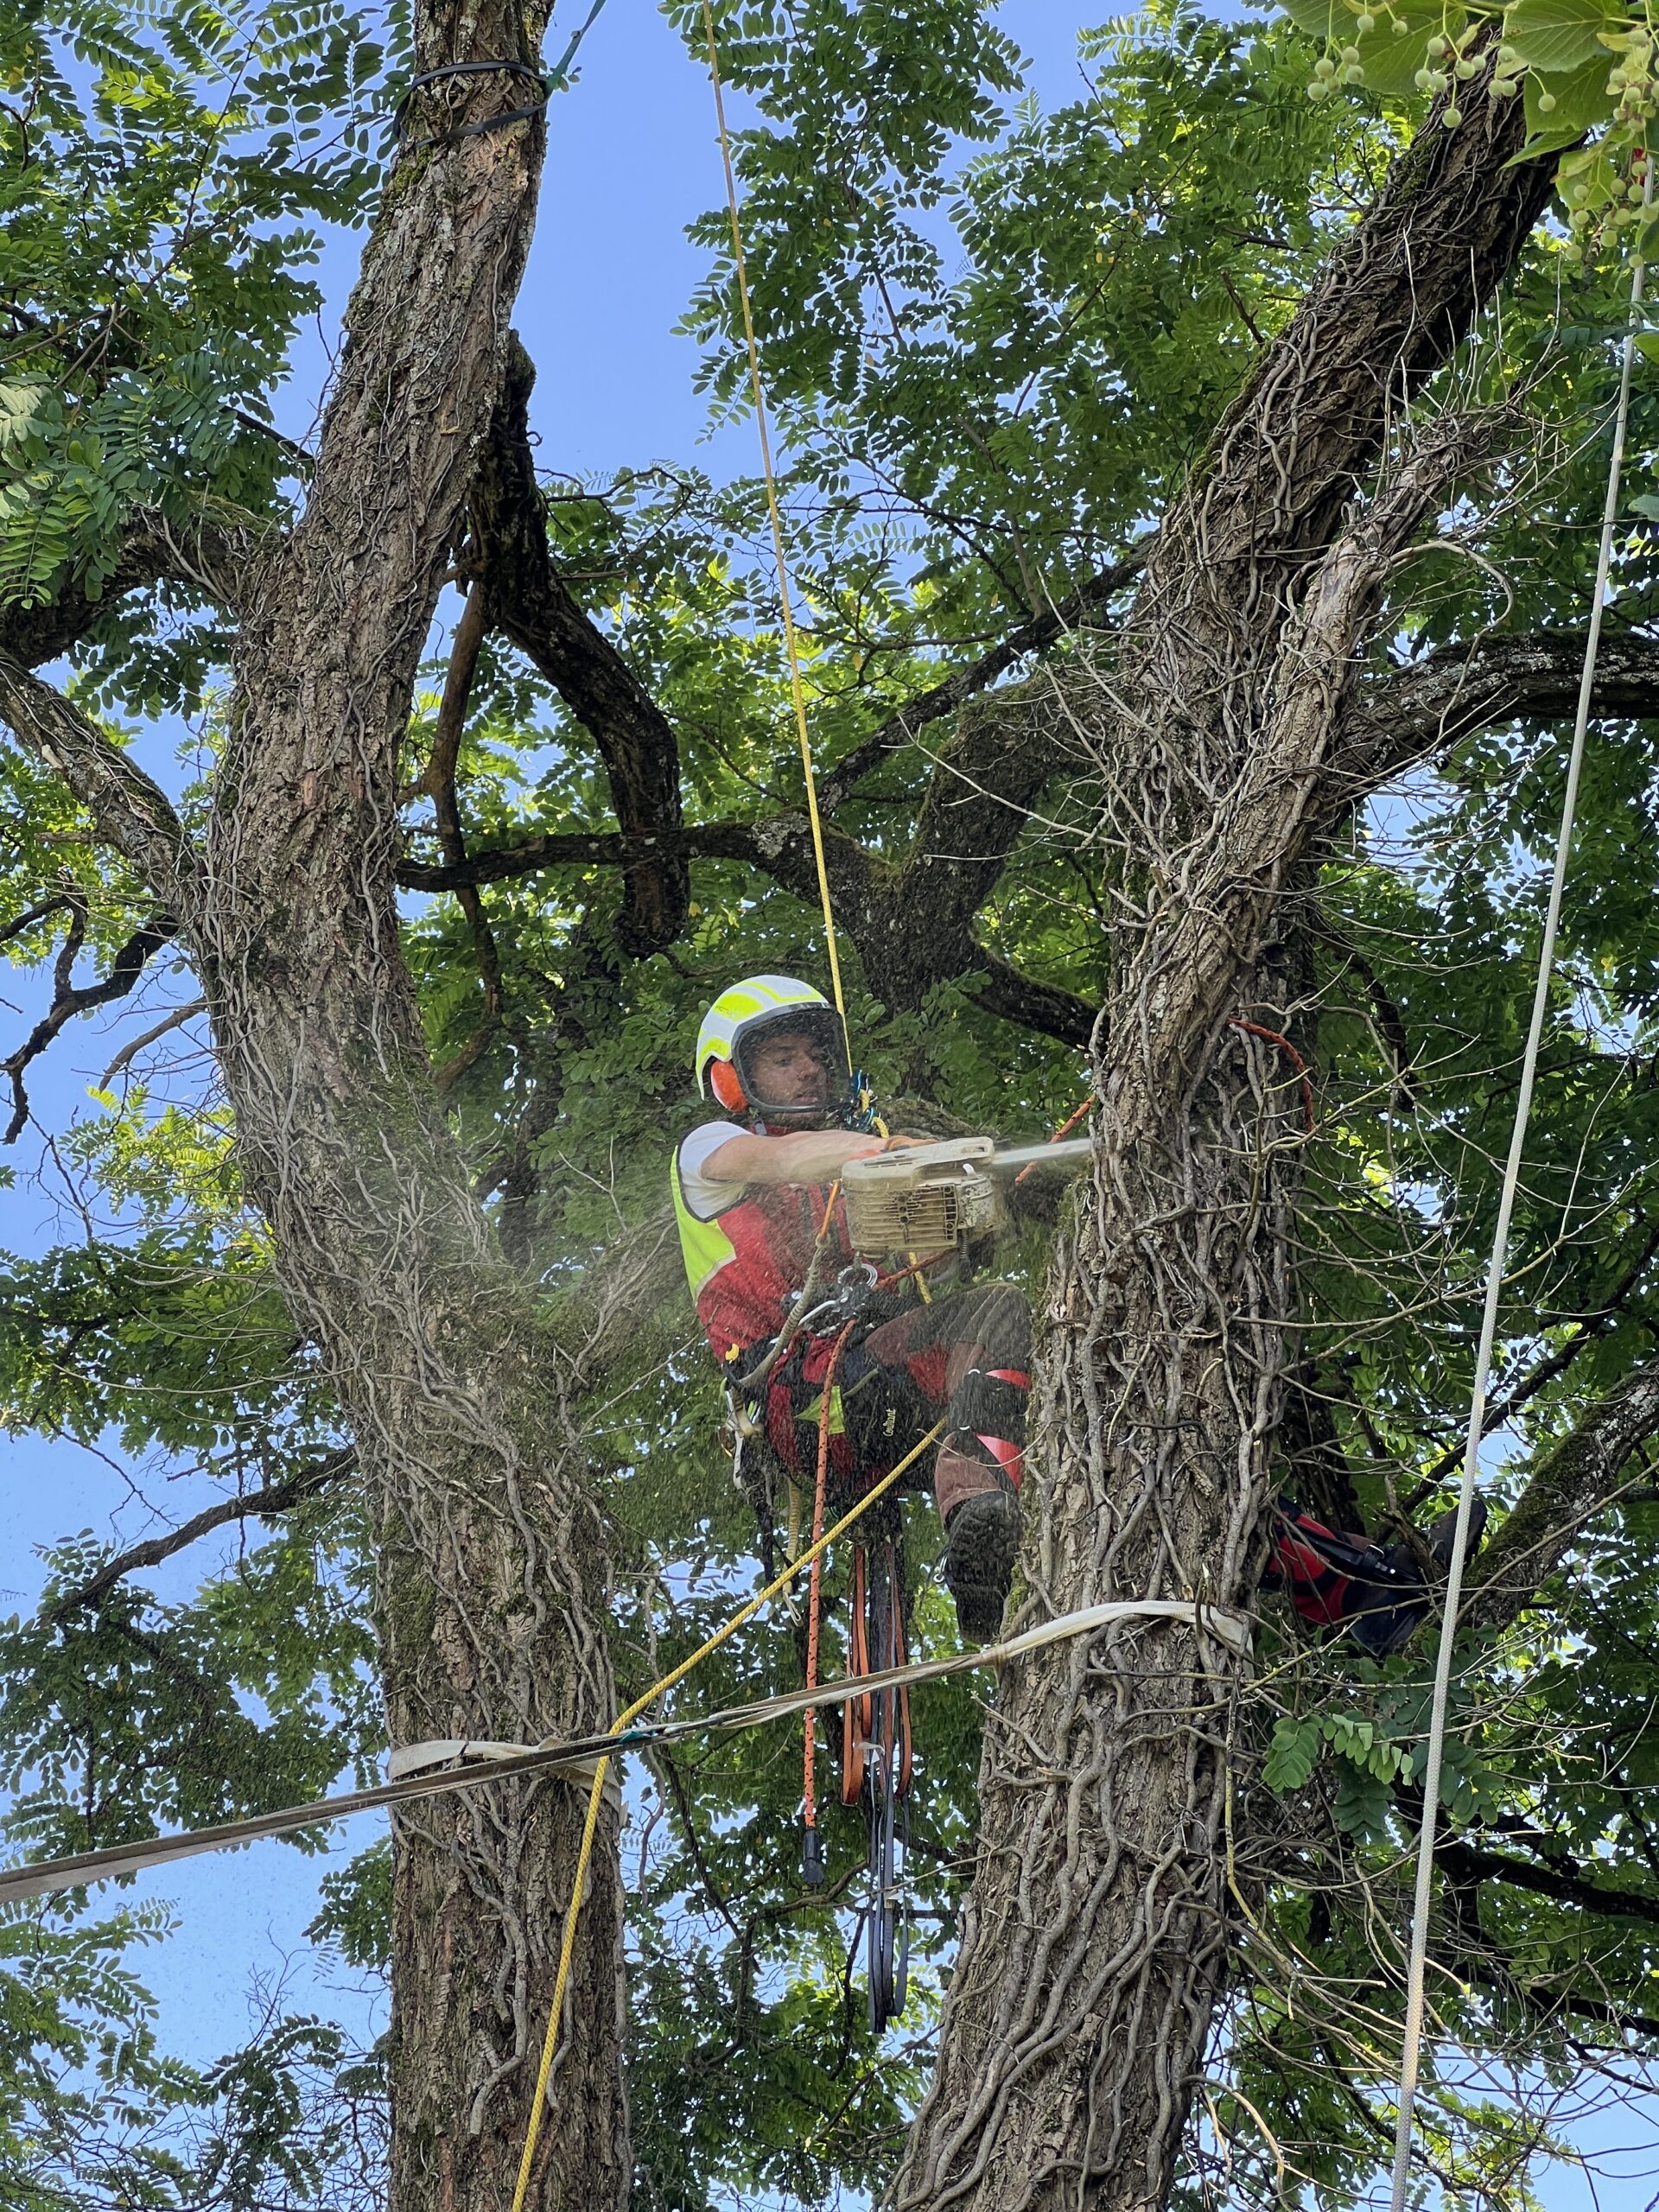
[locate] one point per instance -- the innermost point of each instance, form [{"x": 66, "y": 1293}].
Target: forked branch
[{"x": 70, "y": 998}]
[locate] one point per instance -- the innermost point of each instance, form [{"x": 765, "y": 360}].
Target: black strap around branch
[{"x": 489, "y": 122}]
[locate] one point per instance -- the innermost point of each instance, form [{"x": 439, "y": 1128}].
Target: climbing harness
[{"x": 1416, "y": 1971}]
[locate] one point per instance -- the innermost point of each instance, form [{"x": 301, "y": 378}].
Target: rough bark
[
  {"x": 490, "y": 1567},
  {"x": 1095, "y": 1937},
  {"x": 491, "y": 1573}
]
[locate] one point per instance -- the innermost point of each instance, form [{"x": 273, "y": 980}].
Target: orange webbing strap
[{"x": 809, "y": 1726}]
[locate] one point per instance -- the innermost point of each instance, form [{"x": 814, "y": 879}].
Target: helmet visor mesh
[{"x": 821, "y": 1026}]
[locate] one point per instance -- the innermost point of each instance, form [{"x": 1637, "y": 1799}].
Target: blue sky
[{"x": 632, "y": 158}]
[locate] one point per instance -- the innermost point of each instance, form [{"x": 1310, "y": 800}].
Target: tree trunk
[
  {"x": 1096, "y": 1932},
  {"x": 491, "y": 1576},
  {"x": 1093, "y": 1943}
]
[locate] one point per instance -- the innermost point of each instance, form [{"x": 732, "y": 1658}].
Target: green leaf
[
  {"x": 1391, "y": 59},
  {"x": 1292, "y": 1754},
  {"x": 1581, "y": 99},
  {"x": 1560, "y": 37},
  {"x": 1362, "y": 1801},
  {"x": 1322, "y": 19}
]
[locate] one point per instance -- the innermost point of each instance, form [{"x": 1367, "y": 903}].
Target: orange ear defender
[{"x": 722, "y": 1081}]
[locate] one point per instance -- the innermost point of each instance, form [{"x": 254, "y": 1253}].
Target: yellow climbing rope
[
  {"x": 798, "y": 694},
  {"x": 797, "y": 691},
  {"x": 590, "y": 1826}
]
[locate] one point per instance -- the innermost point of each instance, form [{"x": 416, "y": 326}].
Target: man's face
[{"x": 789, "y": 1072}]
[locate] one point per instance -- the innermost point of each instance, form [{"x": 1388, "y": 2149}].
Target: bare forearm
[{"x": 805, "y": 1156}]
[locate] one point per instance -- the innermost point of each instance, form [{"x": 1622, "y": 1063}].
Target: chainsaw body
[
  {"x": 924, "y": 1198},
  {"x": 939, "y": 1197}
]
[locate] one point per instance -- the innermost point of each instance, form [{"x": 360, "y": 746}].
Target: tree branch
[
  {"x": 1386, "y": 311},
  {"x": 274, "y": 1497},
  {"x": 1573, "y": 1480},
  {"x": 63, "y": 903},
  {"x": 1555, "y": 1362},
  {"x": 584, "y": 849},
  {"x": 782, "y": 849},
  {"x": 1458, "y": 689},
  {"x": 1042, "y": 1007},
  {"x": 899, "y": 729},
  {"x": 129, "y": 813},
  {"x": 1470, "y": 1862},
  {"x": 532, "y": 605},
  {"x": 68, "y": 1000},
  {"x": 130, "y": 1052},
  {"x": 440, "y": 781},
  {"x": 207, "y": 556}
]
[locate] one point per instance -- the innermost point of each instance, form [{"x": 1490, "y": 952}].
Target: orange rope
[
  {"x": 809, "y": 1728},
  {"x": 1255, "y": 1029},
  {"x": 1064, "y": 1130}
]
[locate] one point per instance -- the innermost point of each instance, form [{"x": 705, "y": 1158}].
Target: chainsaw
[{"x": 939, "y": 1197}]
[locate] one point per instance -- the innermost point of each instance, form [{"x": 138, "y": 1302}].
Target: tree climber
[
  {"x": 764, "y": 1246},
  {"x": 752, "y": 1197}
]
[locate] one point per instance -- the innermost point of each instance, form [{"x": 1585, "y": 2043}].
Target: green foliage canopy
[{"x": 998, "y": 338}]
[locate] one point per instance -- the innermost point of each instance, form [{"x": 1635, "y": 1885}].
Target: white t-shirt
[{"x": 704, "y": 1197}]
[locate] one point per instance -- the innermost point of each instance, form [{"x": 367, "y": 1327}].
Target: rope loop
[{"x": 449, "y": 69}]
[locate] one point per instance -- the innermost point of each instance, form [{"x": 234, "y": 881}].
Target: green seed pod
[
  {"x": 1324, "y": 67},
  {"x": 1545, "y": 103},
  {"x": 1504, "y": 88},
  {"x": 1424, "y": 81},
  {"x": 1366, "y": 25},
  {"x": 1466, "y": 70},
  {"x": 1508, "y": 60},
  {"x": 1354, "y": 73},
  {"x": 1437, "y": 46},
  {"x": 1452, "y": 118},
  {"x": 1579, "y": 219},
  {"x": 1350, "y": 55},
  {"x": 1319, "y": 90}
]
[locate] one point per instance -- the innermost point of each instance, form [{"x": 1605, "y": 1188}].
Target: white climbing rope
[{"x": 1412, "y": 2052}]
